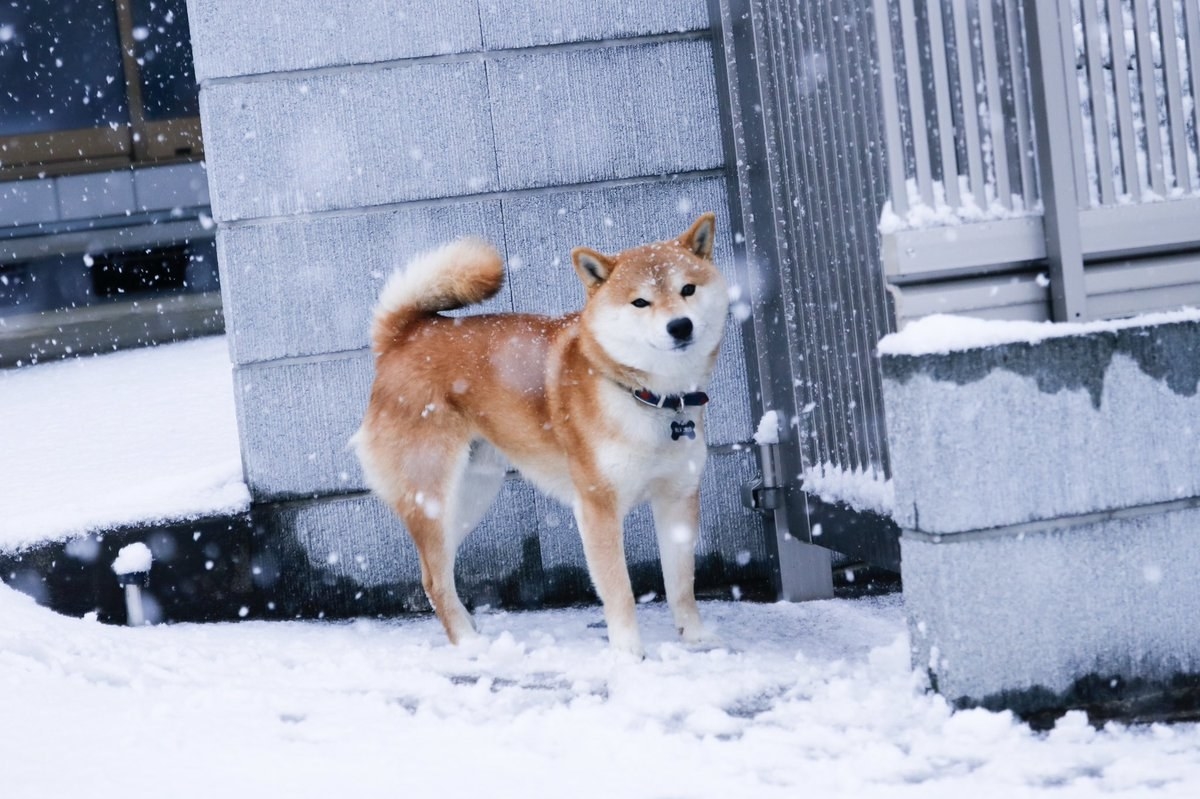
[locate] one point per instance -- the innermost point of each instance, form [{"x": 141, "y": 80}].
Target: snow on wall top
[
  {"x": 132, "y": 437},
  {"x": 942, "y": 333}
]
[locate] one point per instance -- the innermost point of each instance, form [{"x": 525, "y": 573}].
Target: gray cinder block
[
  {"x": 296, "y": 419},
  {"x": 233, "y": 37},
  {"x": 1021, "y": 432},
  {"x": 1030, "y": 621},
  {"x": 306, "y": 286},
  {"x": 347, "y": 139},
  {"x": 512, "y": 23},
  {"x": 612, "y": 112}
]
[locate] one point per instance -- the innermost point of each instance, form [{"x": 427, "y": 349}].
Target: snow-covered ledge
[{"x": 1047, "y": 480}]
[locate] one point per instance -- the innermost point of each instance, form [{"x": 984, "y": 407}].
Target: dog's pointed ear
[
  {"x": 593, "y": 267},
  {"x": 699, "y": 237}
]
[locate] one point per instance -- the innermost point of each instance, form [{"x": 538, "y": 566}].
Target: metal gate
[
  {"x": 1027, "y": 135},
  {"x": 804, "y": 128},
  {"x": 895, "y": 158}
]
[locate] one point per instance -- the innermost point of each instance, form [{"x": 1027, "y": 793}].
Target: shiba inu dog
[{"x": 602, "y": 409}]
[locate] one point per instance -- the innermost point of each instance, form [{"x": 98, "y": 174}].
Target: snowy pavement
[
  {"x": 100, "y": 442},
  {"x": 813, "y": 699}
]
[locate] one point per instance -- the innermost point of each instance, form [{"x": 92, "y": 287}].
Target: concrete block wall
[
  {"x": 343, "y": 138},
  {"x": 1049, "y": 496}
]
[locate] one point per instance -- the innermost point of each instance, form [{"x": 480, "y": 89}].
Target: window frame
[{"x": 136, "y": 142}]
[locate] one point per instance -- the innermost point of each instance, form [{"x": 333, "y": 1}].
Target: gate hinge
[{"x": 765, "y": 492}]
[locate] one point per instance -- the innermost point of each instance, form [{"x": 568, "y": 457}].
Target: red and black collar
[{"x": 671, "y": 402}]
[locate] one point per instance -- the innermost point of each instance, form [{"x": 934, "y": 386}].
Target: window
[{"x": 95, "y": 84}]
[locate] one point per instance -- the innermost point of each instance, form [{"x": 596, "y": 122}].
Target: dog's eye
[
  {"x": 688, "y": 290},
  {"x": 640, "y": 303}
]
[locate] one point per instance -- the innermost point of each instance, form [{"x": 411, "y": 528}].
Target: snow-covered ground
[
  {"x": 813, "y": 699},
  {"x": 98, "y": 442}
]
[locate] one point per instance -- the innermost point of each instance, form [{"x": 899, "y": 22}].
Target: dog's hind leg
[
  {"x": 677, "y": 525},
  {"x": 419, "y": 481},
  {"x": 442, "y": 517},
  {"x": 437, "y": 577}
]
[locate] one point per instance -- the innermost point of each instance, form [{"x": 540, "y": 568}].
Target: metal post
[{"x": 1056, "y": 162}]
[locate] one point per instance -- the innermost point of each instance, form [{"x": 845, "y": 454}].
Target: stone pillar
[{"x": 1049, "y": 495}]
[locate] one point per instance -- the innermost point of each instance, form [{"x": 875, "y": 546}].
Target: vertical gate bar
[
  {"x": 1075, "y": 117},
  {"x": 916, "y": 100},
  {"x": 814, "y": 34},
  {"x": 991, "y": 77},
  {"x": 1145, "y": 61},
  {"x": 1192, "y": 26},
  {"x": 1100, "y": 112},
  {"x": 815, "y": 329},
  {"x": 846, "y": 40},
  {"x": 970, "y": 107},
  {"x": 890, "y": 100},
  {"x": 945, "y": 113},
  {"x": 1175, "y": 112},
  {"x": 1050, "y": 79},
  {"x": 1016, "y": 65},
  {"x": 1131, "y": 173}
]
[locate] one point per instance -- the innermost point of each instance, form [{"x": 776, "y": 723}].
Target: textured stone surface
[
  {"x": 526, "y": 550},
  {"x": 296, "y": 419},
  {"x": 1114, "y": 599},
  {"x": 307, "y": 285},
  {"x": 520, "y": 23},
  {"x": 27, "y": 202},
  {"x": 348, "y": 139},
  {"x": 359, "y": 540},
  {"x": 235, "y": 37},
  {"x": 542, "y": 229},
  {"x": 1014, "y": 434},
  {"x": 96, "y": 194},
  {"x": 613, "y": 112}
]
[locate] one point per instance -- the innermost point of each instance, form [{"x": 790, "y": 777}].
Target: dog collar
[{"x": 672, "y": 402}]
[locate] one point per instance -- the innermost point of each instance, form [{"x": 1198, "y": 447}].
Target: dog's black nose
[{"x": 680, "y": 329}]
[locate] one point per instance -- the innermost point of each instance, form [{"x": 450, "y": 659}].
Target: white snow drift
[{"x": 140, "y": 436}]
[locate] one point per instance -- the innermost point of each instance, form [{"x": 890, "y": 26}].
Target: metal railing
[{"x": 1062, "y": 131}]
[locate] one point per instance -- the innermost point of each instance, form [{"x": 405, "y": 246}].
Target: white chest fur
[{"x": 643, "y": 456}]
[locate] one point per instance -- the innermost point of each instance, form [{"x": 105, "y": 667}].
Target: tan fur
[{"x": 551, "y": 394}]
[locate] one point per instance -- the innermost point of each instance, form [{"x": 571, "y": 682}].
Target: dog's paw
[
  {"x": 473, "y": 643},
  {"x": 701, "y": 638},
  {"x": 627, "y": 647}
]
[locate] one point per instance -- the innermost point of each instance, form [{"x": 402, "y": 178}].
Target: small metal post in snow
[{"x": 132, "y": 568}]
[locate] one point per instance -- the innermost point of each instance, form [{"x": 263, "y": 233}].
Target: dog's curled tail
[{"x": 461, "y": 273}]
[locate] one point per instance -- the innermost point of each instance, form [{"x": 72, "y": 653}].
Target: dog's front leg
[
  {"x": 677, "y": 525},
  {"x": 604, "y": 546}
]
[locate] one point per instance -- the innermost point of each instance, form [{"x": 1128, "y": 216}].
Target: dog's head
[{"x": 659, "y": 308}]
